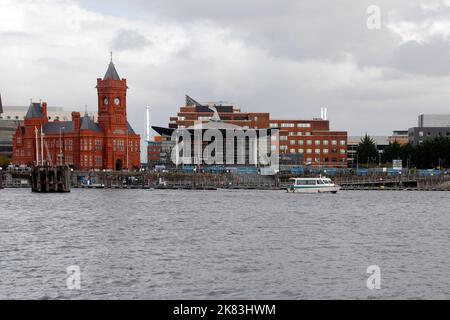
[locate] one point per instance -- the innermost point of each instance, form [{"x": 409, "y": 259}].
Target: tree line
[{"x": 431, "y": 153}]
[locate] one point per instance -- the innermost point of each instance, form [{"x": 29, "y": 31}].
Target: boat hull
[{"x": 322, "y": 189}]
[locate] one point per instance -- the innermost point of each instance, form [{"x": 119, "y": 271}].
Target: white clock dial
[
  {"x": 105, "y": 101},
  {"x": 116, "y": 101}
]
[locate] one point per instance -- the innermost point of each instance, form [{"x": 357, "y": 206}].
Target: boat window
[{"x": 319, "y": 182}]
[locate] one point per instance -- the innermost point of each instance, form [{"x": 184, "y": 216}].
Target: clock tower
[{"x": 112, "y": 101}]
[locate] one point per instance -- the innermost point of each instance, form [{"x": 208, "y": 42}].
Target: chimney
[
  {"x": 76, "y": 121},
  {"x": 44, "y": 110}
]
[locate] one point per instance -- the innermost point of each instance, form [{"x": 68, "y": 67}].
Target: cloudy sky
[{"x": 286, "y": 57}]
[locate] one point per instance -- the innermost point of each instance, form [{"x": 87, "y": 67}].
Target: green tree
[
  {"x": 367, "y": 150},
  {"x": 5, "y": 161},
  {"x": 392, "y": 152}
]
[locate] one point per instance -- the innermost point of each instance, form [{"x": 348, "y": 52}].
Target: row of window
[
  {"x": 310, "y": 142},
  {"x": 91, "y": 161},
  {"x": 290, "y": 125},
  {"x": 310, "y": 151},
  {"x": 87, "y": 144}
]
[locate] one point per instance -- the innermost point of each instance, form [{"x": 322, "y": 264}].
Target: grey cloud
[
  {"x": 431, "y": 58},
  {"x": 129, "y": 40}
]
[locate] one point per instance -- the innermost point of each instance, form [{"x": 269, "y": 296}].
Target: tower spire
[{"x": 111, "y": 73}]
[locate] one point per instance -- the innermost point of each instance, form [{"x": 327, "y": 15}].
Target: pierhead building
[{"x": 82, "y": 143}]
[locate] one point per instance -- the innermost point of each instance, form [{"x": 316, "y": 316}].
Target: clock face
[
  {"x": 116, "y": 101},
  {"x": 105, "y": 101}
]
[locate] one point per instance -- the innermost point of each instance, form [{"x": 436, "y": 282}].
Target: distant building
[
  {"x": 154, "y": 152},
  {"x": 434, "y": 120},
  {"x": 381, "y": 143},
  {"x": 81, "y": 142},
  {"x": 302, "y": 142},
  {"x": 399, "y": 136},
  {"x": 430, "y": 127}
]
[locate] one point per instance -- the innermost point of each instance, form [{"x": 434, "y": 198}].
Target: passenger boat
[{"x": 313, "y": 185}]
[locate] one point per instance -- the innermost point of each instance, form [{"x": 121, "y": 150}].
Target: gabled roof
[
  {"x": 111, "y": 73},
  {"x": 34, "y": 111},
  {"x": 56, "y": 126},
  {"x": 130, "y": 129},
  {"x": 88, "y": 124},
  {"x": 191, "y": 102}
]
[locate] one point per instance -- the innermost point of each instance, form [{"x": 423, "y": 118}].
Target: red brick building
[
  {"x": 310, "y": 140},
  {"x": 82, "y": 143}
]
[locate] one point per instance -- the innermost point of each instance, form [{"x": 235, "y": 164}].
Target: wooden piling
[{"x": 50, "y": 178}]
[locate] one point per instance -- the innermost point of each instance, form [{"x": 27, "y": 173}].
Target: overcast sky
[{"x": 286, "y": 57}]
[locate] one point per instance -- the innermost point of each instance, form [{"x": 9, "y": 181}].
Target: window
[
  {"x": 292, "y": 133},
  {"x": 325, "y": 142},
  {"x": 299, "y": 133},
  {"x": 300, "y": 151},
  {"x": 292, "y": 142},
  {"x": 283, "y": 138},
  {"x": 317, "y": 142},
  {"x": 303, "y": 125},
  {"x": 309, "y": 142},
  {"x": 343, "y": 143},
  {"x": 420, "y": 133},
  {"x": 309, "y": 151},
  {"x": 325, "y": 151},
  {"x": 273, "y": 125},
  {"x": 287, "y": 125},
  {"x": 300, "y": 142},
  {"x": 317, "y": 151},
  {"x": 292, "y": 150},
  {"x": 342, "y": 151},
  {"x": 334, "y": 143}
]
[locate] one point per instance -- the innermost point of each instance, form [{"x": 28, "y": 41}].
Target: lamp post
[{"x": 60, "y": 146}]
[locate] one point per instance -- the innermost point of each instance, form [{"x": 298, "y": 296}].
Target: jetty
[{"x": 46, "y": 178}]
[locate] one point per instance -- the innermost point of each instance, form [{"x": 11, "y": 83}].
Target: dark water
[{"x": 224, "y": 244}]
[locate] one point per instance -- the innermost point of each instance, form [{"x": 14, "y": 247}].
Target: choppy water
[{"x": 224, "y": 244}]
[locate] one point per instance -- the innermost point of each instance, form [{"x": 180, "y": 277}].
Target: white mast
[
  {"x": 37, "y": 145},
  {"x": 148, "y": 123},
  {"x": 42, "y": 146}
]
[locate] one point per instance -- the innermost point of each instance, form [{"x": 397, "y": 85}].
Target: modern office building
[
  {"x": 302, "y": 142},
  {"x": 430, "y": 127},
  {"x": 434, "y": 120},
  {"x": 399, "y": 136}
]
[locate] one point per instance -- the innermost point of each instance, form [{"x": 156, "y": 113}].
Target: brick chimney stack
[
  {"x": 44, "y": 111},
  {"x": 76, "y": 121}
]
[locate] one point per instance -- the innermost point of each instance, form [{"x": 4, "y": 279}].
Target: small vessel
[{"x": 313, "y": 185}]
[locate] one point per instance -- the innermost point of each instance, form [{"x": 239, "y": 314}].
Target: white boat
[{"x": 313, "y": 185}]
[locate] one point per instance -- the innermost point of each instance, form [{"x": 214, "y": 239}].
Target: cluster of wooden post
[{"x": 50, "y": 178}]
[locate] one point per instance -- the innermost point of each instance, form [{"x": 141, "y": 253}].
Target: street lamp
[{"x": 60, "y": 146}]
